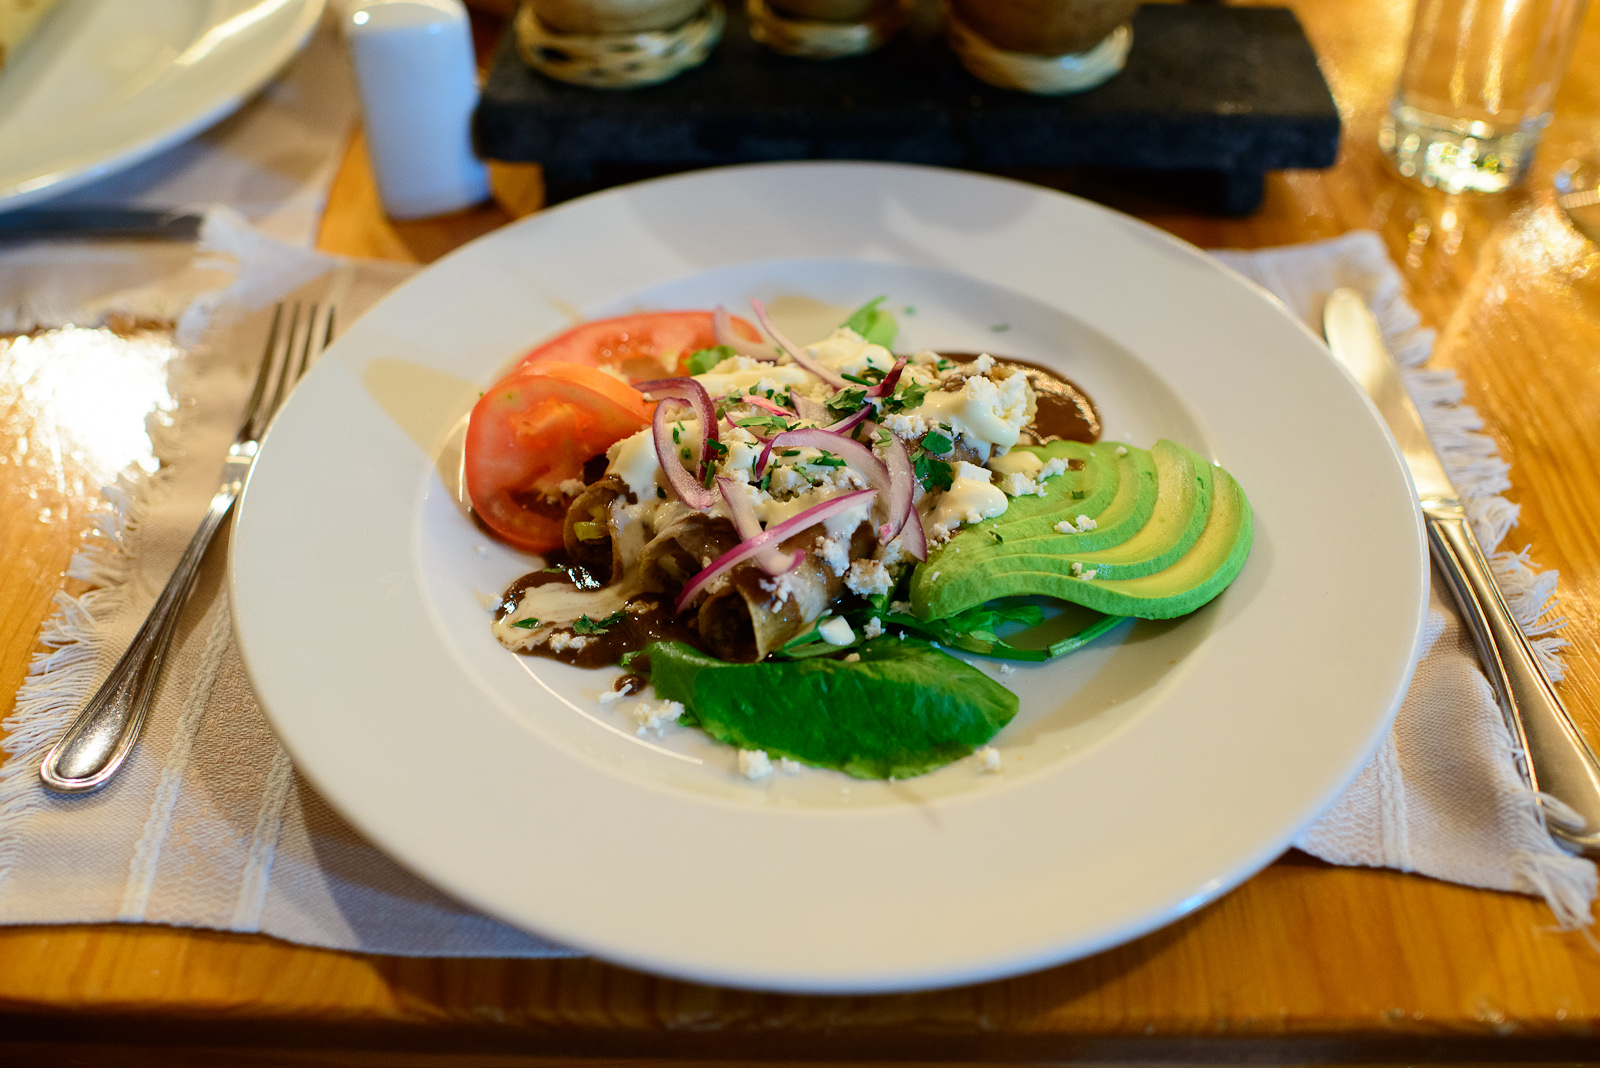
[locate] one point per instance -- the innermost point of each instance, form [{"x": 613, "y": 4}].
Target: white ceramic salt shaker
[{"x": 418, "y": 81}]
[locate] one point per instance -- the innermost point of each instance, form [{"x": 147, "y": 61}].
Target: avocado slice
[
  {"x": 1122, "y": 488},
  {"x": 1183, "y": 501},
  {"x": 963, "y": 574},
  {"x": 1087, "y": 490},
  {"x": 1118, "y": 493},
  {"x": 1213, "y": 561}
]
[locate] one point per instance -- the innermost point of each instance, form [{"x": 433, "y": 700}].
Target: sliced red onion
[
  {"x": 886, "y": 387},
  {"x": 895, "y": 480},
  {"x": 849, "y": 422},
  {"x": 853, "y": 451},
  {"x": 771, "y": 536},
  {"x": 913, "y": 539},
  {"x": 809, "y": 410},
  {"x": 691, "y": 489},
  {"x": 902, "y": 508},
  {"x": 722, "y": 327},
  {"x": 773, "y": 561},
  {"x": 762, "y": 402},
  {"x": 796, "y": 353}
]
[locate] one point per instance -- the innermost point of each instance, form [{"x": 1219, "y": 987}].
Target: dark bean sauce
[
  {"x": 1065, "y": 412},
  {"x": 648, "y": 618}
]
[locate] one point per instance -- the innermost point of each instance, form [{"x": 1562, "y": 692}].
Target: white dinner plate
[
  {"x": 103, "y": 84},
  {"x": 1144, "y": 775}
]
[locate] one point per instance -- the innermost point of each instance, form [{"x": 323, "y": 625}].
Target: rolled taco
[{"x": 747, "y": 613}]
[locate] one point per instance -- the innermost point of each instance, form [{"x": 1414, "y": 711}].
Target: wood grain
[{"x": 1304, "y": 961}]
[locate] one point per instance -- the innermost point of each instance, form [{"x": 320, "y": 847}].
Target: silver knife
[
  {"x": 40, "y": 224},
  {"x": 1559, "y": 763}
]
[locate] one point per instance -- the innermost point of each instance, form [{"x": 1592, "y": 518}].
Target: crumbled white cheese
[
  {"x": 560, "y": 641},
  {"x": 1089, "y": 574},
  {"x": 611, "y": 697},
  {"x": 988, "y": 759},
  {"x": 781, "y": 588},
  {"x": 902, "y": 608},
  {"x": 1006, "y": 669},
  {"x": 790, "y": 767},
  {"x": 836, "y": 631},
  {"x": 754, "y": 763},
  {"x": 835, "y": 552},
  {"x": 873, "y": 628},
  {"x": 869, "y": 578},
  {"x": 1018, "y": 484},
  {"x": 853, "y": 658},
  {"x": 1122, "y": 450},
  {"x": 655, "y": 715},
  {"x": 906, "y": 425},
  {"x": 1080, "y": 525},
  {"x": 1053, "y": 468},
  {"x": 570, "y": 487},
  {"x": 1075, "y": 569},
  {"x": 1084, "y": 523},
  {"x": 982, "y": 365}
]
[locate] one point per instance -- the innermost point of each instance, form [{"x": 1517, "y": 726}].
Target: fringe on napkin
[
  {"x": 1302, "y": 276},
  {"x": 61, "y": 676}
]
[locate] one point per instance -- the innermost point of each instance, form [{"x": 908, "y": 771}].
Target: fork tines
[{"x": 289, "y": 351}]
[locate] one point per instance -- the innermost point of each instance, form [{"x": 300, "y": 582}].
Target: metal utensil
[
  {"x": 94, "y": 747},
  {"x": 1558, "y": 762},
  {"x": 41, "y": 224}
]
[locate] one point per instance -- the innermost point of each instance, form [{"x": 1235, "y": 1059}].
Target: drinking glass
[{"x": 1475, "y": 92}]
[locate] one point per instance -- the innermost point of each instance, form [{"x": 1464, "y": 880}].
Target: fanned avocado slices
[{"x": 1171, "y": 534}]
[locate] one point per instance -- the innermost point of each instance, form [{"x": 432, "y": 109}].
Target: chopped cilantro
[
  {"x": 529, "y": 624},
  {"x": 661, "y": 493},
  {"x": 847, "y": 401},
  {"x": 585, "y": 625},
  {"x": 704, "y": 360},
  {"x": 716, "y": 448},
  {"x": 906, "y": 397},
  {"x": 677, "y": 433},
  {"x": 827, "y": 459},
  {"x": 936, "y": 443},
  {"x": 766, "y": 422},
  {"x": 932, "y": 472}
]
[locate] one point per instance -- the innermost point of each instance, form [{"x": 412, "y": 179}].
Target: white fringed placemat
[{"x": 209, "y": 825}]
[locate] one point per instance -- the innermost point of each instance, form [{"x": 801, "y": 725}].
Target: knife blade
[
  {"x": 1557, "y": 762},
  {"x": 72, "y": 223}
]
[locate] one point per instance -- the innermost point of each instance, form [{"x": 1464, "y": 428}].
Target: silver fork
[{"x": 94, "y": 747}]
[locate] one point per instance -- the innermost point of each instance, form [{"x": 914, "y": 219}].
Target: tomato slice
[
  {"x": 639, "y": 347},
  {"x": 532, "y": 431}
]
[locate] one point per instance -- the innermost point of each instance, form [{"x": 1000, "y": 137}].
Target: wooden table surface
[{"x": 1304, "y": 961}]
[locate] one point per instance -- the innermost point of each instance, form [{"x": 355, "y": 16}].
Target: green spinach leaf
[
  {"x": 874, "y": 323},
  {"x": 903, "y": 709}
]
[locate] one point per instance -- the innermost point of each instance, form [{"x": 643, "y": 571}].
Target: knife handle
[{"x": 1558, "y": 761}]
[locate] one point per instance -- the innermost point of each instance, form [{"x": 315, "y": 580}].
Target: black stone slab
[{"x": 1226, "y": 93}]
